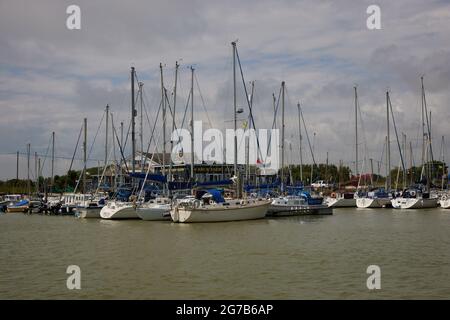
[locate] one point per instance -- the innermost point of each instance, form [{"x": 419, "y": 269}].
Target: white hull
[
  {"x": 445, "y": 204},
  {"x": 373, "y": 202},
  {"x": 118, "y": 210},
  {"x": 414, "y": 203},
  {"x": 286, "y": 211},
  {"x": 341, "y": 203},
  {"x": 154, "y": 213},
  {"x": 220, "y": 213},
  {"x": 92, "y": 213}
]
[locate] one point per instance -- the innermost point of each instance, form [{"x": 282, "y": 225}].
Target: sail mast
[
  {"x": 173, "y": 117},
  {"x": 388, "y": 146},
  {"x": 53, "y": 159},
  {"x": 106, "y": 135},
  {"x": 133, "y": 115},
  {"x": 141, "y": 125},
  {"x": 28, "y": 170},
  {"x": 163, "y": 101},
  {"x": 356, "y": 131},
  {"x": 282, "y": 135},
  {"x": 192, "y": 123},
  {"x": 236, "y": 174},
  {"x": 84, "y": 155},
  {"x": 300, "y": 139}
]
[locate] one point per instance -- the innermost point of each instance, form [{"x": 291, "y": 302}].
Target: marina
[{"x": 224, "y": 151}]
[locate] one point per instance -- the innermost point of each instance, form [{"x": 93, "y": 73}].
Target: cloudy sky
[{"x": 52, "y": 77}]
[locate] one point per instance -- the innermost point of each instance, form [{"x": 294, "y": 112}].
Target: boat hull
[
  {"x": 90, "y": 213},
  {"x": 287, "y": 211},
  {"x": 414, "y": 203},
  {"x": 373, "y": 202},
  {"x": 341, "y": 203},
  {"x": 115, "y": 212},
  {"x": 14, "y": 209},
  {"x": 156, "y": 213},
  {"x": 220, "y": 214},
  {"x": 445, "y": 204}
]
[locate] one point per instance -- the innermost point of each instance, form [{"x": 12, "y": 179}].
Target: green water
[{"x": 285, "y": 258}]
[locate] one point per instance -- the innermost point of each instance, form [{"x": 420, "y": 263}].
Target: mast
[
  {"x": 282, "y": 135},
  {"x": 39, "y": 173},
  {"x": 141, "y": 125},
  {"x": 28, "y": 169},
  {"x": 36, "y": 171},
  {"x": 17, "y": 166},
  {"x": 133, "y": 115},
  {"x": 106, "y": 135},
  {"x": 84, "y": 155},
  {"x": 371, "y": 171},
  {"x": 163, "y": 101},
  {"x": 388, "y": 146},
  {"x": 356, "y": 131},
  {"x": 235, "y": 107},
  {"x": 121, "y": 146},
  {"x": 423, "y": 127},
  {"x": 192, "y": 123},
  {"x": 247, "y": 148},
  {"x": 53, "y": 159},
  {"x": 404, "y": 167},
  {"x": 300, "y": 139},
  {"x": 443, "y": 163},
  {"x": 173, "y": 117},
  {"x": 411, "y": 179}
]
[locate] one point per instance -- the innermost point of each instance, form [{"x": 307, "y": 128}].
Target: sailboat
[
  {"x": 419, "y": 197},
  {"x": 444, "y": 202},
  {"x": 116, "y": 209},
  {"x": 374, "y": 199},
  {"x": 347, "y": 199},
  {"x": 211, "y": 206},
  {"x": 380, "y": 198}
]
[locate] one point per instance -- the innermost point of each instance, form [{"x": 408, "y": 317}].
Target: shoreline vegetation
[{"x": 337, "y": 176}]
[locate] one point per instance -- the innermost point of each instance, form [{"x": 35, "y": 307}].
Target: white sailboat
[
  {"x": 414, "y": 199},
  {"x": 211, "y": 207},
  {"x": 119, "y": 210},
  {"x": 209, "y": 210},
  {"x": 155, "y": 209},
  {"x": 295, "y": 205},
  {"x": 444, "y": 202},
  {"x": 374, "y": 199}
]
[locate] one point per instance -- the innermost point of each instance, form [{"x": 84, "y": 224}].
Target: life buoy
[{"x": 333, "y": 194}]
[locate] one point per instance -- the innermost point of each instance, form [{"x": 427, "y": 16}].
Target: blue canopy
[
  {"x": 150, "y": 176},
  {"x": 21, "y": 203},
  {"x": 216, "y": 195}
]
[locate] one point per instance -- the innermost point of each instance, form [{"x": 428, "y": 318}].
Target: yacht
[
  {"x": 374, "y": 199},
  {"x": 414, "y": 199},
  {"x": 212, "y": 207},
  {"x": 298, "y": 204},
  {"x": 155, "y": 209},
  {"x": 445, "y": 201}
]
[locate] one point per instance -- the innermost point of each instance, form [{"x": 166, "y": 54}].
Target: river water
[{"x": 315, "y": 257}]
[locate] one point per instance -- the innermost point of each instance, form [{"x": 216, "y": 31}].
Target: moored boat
[
  {"x": 414, "y": 199},
  {"x": 119, "y": 210},
  {"x": 374, "y": 199},
  {"x": 154, "y": 210},
  {"x": 211, "y": 207}
]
